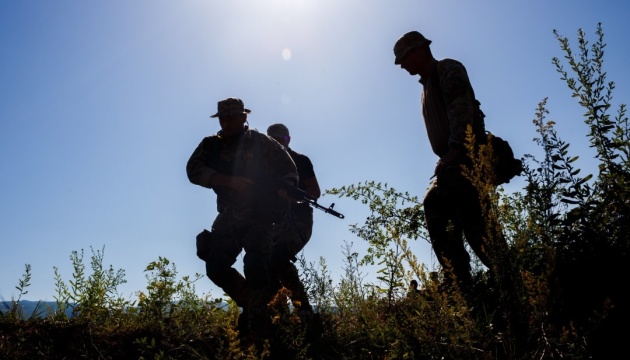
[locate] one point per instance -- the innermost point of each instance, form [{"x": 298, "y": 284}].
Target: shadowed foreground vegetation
[{"x": 558, "y": 293}]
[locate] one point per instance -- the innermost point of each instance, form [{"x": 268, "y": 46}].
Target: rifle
[{"x": 300, "y": 195}]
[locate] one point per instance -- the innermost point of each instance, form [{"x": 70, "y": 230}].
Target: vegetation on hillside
[{"x": 556, "y": 292}]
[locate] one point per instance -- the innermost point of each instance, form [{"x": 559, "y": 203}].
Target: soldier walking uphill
[
  {"x": 229, "y": 163},
  {"x": 452, "y": 204},
  {"x": 292, "y": 234}
]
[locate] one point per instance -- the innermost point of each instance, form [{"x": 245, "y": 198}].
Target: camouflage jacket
[
  {"x": 252, "y": 155},
  {"x": 448, "y": 105}
]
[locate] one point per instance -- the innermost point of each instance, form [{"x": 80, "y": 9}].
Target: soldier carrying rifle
[{"x": 227, "y": 163}]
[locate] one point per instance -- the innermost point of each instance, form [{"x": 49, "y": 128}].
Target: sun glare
[
  {"x": 287, "y": 2},
  {"x": 286, "y": 54},
  {"x": 265, "y": 27}
]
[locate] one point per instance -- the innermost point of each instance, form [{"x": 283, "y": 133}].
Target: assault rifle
[{"x": 299, "y": 195}]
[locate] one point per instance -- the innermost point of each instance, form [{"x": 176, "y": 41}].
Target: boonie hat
[
  {"x": 277, "y": 131},
  {"x": 230, "y": 106},
  {"x": 408, "y": 42}
]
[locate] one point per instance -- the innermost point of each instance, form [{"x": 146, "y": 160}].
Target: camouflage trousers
[
  {"x": 232, "y": 232},
  {"x": 453, "y": 210},
  {"x": 290, "y": 237}
]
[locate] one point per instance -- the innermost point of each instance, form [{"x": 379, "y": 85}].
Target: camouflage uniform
[
  {"x": 245, "y": 220},
  {"x": 291, "y": 235},
  {"x": 452, "y": 204}
]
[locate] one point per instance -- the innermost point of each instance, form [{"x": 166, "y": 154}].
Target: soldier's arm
[
  {"x": 309, "y": 179},
  {"x": 237, "y": 183},
  {"x": 197, "y": 171},
  {"x": 283, "y": 166},
  {"x": 312, "y": 187},
  {"x": 201, "y": 174},
  {"x": 459, "y": 101}
]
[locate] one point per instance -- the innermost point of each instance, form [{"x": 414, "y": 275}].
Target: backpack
[{"x": 504, "y": 164}]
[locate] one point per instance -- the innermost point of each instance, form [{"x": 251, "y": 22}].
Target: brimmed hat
[
  {"x": 277, "y": 131},
  {"x": 408, "y": 42},
  {"x": 230, "y": 106}
]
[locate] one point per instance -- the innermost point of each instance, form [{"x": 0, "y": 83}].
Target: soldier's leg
[
  {"x": 257, "y": 242},
  {"x": 287, "y": 273},
  {"x": 223, "y": 249},
  {"x": 476, "y": 227},
  {"x": 481, "y": 227},
  {"x": 445, "y": 232},
  {"x": 290, "y": 239}
]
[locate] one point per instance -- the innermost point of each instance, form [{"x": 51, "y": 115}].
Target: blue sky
[{"x": 102, "y": 103}]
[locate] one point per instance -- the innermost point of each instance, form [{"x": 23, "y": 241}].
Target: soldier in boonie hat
[
  {"x": 452, "y": 197},
  {"x": 230, "y": 106},
  {"x": 408, "y": 42},
  {"x": 237, "y": 163}
]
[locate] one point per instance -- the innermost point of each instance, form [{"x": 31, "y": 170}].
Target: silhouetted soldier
[
  {"x": 292, "y": 234},
  {"x": 228, "y": 163}
]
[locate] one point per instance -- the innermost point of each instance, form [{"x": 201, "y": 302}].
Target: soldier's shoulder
[
  {"x": 255, "y": 134},
  {"x": 297, "y": 154},
  {"x": 450, "y": 65},
  {"x": 264, "y": 138},
  {"x": 211, "y": 138}
]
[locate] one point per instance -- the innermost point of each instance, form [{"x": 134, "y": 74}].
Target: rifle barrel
[
  {"x": 299, "y": 195},
  {"x": 328, "y": 210}
]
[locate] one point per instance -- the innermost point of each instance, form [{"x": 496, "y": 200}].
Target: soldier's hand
[
  {"x": 240, "y": 184},
  {"x": 451, "y": 155},
  {"x": 236, "y": 183},
  {"x": 284, "y": 195}
]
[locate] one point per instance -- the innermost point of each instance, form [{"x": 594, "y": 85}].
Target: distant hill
[
  {"x": 32, "y": 308},
  {"x": 40, "y": 309}
]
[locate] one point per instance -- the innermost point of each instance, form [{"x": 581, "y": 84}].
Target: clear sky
[{"x": 102, "y": 103}]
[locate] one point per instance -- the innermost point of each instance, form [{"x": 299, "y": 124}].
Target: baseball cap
[
  {"x": 230, "y": 106},
  {"x": 277, "y": 131},
  {"x": 408, "y": 42}
]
